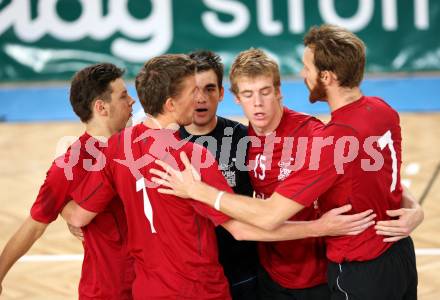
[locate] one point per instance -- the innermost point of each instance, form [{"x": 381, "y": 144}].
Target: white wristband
[{"x": 217, "y": 200}]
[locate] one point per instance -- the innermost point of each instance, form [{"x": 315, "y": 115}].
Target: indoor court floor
[{"x": 52, "y": 268}]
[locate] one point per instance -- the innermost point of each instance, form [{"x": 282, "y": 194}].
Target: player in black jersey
[{"x": 221, "y": 136}]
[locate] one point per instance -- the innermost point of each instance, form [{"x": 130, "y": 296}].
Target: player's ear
[
  {"x": 100, "y": 107},
  {"x": 169, "y": 105},
  {"x": 326, "y": 77},
  {"x": 278, "y": 92},
  {"x": 236, "y": 98},
  {"x": 222, "y": 94},
  {"x": 333, "y": 76}
]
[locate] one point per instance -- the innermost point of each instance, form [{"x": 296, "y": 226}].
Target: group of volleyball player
[{"x": 191, "y": 205}]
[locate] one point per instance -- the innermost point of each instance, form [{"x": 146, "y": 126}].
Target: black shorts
[
  {"x": 391, "y": 276},
  {"x": 268, "y": 289},
  {"x": 245, "y": 290}
]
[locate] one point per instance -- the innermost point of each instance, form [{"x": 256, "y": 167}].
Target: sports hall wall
[{"x": 42, "y": 43}]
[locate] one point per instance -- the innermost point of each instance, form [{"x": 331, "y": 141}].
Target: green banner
[{"x": 51, "y": 39}]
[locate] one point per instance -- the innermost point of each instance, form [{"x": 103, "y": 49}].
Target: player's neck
[
  {"x": 195, "y": 129},
  {"x": 98, "y": 130},
  {"x": 340, "y": 97},
  {"x": 161, "y": 121}
]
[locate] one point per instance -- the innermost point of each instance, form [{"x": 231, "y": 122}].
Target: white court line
[
  {"x": 79, "y": 257},
  {"x": 51, "y": 258},
  {"x": 428, "y": 251}
]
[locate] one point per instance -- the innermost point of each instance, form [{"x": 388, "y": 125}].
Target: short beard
[{"x": 318, "y": 93}]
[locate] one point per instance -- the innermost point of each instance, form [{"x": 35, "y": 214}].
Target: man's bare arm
[
  {"x": 29, "y": 232},
  {"x": 266, "y": 214},
  {"x": 77, "y": 216},
  {"x": 332, "y": 223},
  {"x": 187, "y": 184}
]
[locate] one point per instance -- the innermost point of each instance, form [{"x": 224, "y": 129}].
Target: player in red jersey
[
  {"x": 100, "y": 99},
  {"x": 354, "y": 159},
  {"x": 294, "y": 269},
  {"x": 173, "y": 242}
]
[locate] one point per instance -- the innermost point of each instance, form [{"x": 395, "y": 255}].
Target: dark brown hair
[
  {"x": 89, "y": 84},
  {"x": 207, "y": 60},
  {"x": 161, "y": 78},
  {"x": 339, "y": 51}
]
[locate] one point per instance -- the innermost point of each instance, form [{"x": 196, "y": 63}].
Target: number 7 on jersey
[
  {"x": 148, "y": 209},
  {"x": 386, "y": 140}
]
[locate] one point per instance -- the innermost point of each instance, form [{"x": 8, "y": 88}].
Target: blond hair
[{"x": 253, "y": 63}]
